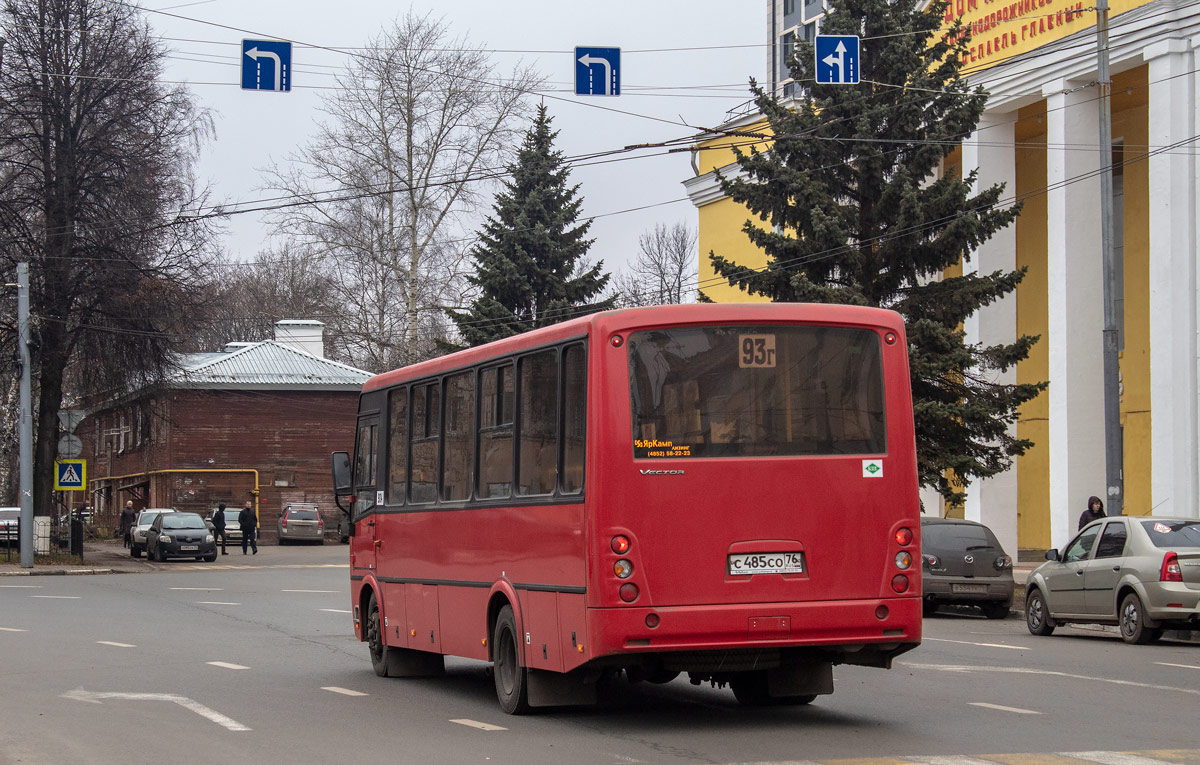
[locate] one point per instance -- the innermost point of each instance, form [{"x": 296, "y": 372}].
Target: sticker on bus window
[
  {"x": 379, "y": 497},
  {"x": 872, "y": 468},
  {"x": 756, "y": 351},
  {"x": 643, "y": 447}
]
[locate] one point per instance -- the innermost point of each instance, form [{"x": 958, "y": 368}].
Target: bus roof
[{"x": 673, "y": 315}]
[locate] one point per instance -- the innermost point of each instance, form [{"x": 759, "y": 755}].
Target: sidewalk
[{"x": 99, "y": 557}]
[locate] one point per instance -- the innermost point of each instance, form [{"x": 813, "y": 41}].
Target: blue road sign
[
  {"x": 837, "y": 59},
  {"x": 266, "y": 65},
  {"x": 70, "y": 475},
  {"x": 597, "y": 71}
]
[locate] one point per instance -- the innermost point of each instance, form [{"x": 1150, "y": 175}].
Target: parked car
[
  {"x": 964, "y": 565},
  {"x": 1139, "y": 573},
  {"x": 10, "y": 518},
  {"x": 301, "y": 521},
  {"x": 233, "y": 532},
  {"x": 180, "y": 535},
  {"x": 141, "y": 524}
]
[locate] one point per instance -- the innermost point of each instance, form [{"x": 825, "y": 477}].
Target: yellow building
[{"x": 1040, "y": 137}]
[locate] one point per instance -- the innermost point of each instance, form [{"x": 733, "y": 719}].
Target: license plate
[
  {"x": 969, "y": 589},
  {"x": 766, "y": 563},
  {"x": 185, "y": 548}
]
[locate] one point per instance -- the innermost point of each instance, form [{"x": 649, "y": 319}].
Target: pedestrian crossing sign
[{"x": 70, "y": 475}]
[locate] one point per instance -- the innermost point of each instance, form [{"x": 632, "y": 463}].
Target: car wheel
[
  {"x": 928, "y": 607},
  {"x": 344, "y": 540},
  {"x": 511, "y": 688},
  {"x": 135, "y": 551},
  {"x": 751, "y": 690},
  {"x": 1133, "y": 621},
  {"x": 1037, "y": 616},
  {"x": 209, "y": 558},
  {"x": 995, "y": 610}
]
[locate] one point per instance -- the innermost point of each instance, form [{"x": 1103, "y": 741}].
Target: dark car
[
  {"x": 964, "y": 565},
  {"x": 180, "y": 535},
  {"x": 1139, "y": 573}
]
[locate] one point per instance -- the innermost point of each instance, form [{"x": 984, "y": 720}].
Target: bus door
[{"x": 364, "y": 543}]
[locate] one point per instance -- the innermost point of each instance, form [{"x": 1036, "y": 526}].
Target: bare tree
[
  {"x": 665, "y": 270},
  {"x": 95, "y": 171},
  {"x": 417, "y": 127}
]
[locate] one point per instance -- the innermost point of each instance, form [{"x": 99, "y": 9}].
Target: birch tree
[{"x": 665, "y": 271}]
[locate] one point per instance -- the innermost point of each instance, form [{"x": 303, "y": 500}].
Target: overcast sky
[{"x": 682, "y": 63}]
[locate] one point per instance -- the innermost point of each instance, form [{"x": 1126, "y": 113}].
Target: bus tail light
[
  {"x": 628, "y": 592},
  {"x": 900, "y": 583},
  {"x": 623, "y": 569},
  {"x": 1171, "y": 572},
  {"x": 904, "y": 560},
  {"x": 904, "y": 537},
  {"x": 652, "y": 620},
  {"x": 620, "y": 544}
]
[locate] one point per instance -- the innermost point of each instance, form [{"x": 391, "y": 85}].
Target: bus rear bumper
[{"x": 879, "y": 629}]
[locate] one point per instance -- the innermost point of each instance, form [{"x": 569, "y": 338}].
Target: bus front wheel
[
  {"x": 379, "y": 649},
  {"x": 511, "y": 687}
]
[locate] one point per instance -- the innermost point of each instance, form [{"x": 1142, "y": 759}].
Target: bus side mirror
[{"x": 341, "y": 474}]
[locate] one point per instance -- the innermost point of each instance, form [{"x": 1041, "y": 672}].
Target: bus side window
[
  {"x": 574, "y": 425},
  {"x": 397, "y": 446},
  {"x": 426, "y": 422},
  {"x": 495, "y": 432},
  {"x": 537, "y": 464},
  {"x": 365, "y": 467}
]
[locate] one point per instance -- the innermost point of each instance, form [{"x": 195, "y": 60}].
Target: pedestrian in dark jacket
[
  {"x": 1094, "y": 512},
  {"x": 127, "y": 516},
  {"x": 248, "y": 521},
  {"x": 218, "y": 522}
]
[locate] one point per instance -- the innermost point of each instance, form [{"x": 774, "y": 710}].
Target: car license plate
[
  {"x": 969, "y": 589},
  {"x": 766, "y": 563},
  {"x": 185, "y": 548}
]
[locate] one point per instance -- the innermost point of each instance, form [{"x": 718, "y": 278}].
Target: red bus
[{"x": 728, "y": 491}]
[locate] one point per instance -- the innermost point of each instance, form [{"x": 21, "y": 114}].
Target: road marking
[
  {"x": 329, "y": 592},
  {"x": 200, "y": 589},
  {"x": 20, "y": 586},
  {"x": 1113, "y": 758},
  {"x": 477, "y": 724},
  {"x": 95, "y": 698},
  {"x": 216, "y": 603},
  {"x": 952, "y": 760},
  {"x": 116, "y": 645},
  {"x": 1024, "y": 671},
  {"x": 1181, "y": 666},
  {"x": 58, "y": 597},
  {"x": 338, "y": 610},
  {"x": 11, "y": 629},
  {"x": 227, "y": 665},
  {"x": 343, "y": 691},
  {"x": 1002, "y": 708},
  {"x": 981, "y": 645}
]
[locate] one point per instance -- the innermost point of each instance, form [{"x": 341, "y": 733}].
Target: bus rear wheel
[
  {"x": 511, "y": 687},
  {"x": 751, "y": 690}
]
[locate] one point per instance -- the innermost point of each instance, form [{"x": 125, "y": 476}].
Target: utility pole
[
  {"x": 25, "y": 417},
  {"x": 1113, "y": 442}
]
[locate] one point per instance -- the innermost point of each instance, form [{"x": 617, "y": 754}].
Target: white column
[
  {"x": 990, "y": 149},
  {"x": 1173, "y": 305},
  {"x": 1075, "y": 301}
]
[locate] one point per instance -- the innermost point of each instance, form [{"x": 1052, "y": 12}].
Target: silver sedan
[{"x": 1139, "y": 573}]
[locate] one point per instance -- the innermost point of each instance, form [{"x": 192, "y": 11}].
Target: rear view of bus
[{"x": 752, "y": 496}]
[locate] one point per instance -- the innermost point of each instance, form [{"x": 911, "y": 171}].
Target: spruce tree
[
  {"x": 529, "y": 252},
  {"x": 856, "y": 212}
]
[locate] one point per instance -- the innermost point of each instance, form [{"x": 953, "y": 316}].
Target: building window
[
  {"x": 285, "y": 479},
  {"x": 787, "y": 44}
]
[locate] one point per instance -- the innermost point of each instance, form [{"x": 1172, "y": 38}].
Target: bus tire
[
  {"x": 375, "y": 640},
  {"x": 751, "y": 690},
  {"x": 512, "y": 689}
]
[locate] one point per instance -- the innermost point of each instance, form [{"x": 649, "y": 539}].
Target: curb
[{"x": 61, "y": 572}]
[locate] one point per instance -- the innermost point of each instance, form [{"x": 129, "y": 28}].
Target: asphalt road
[{"x": 256, "y": 662}]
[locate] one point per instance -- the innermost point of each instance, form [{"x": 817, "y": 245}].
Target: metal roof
[{"x": 267, "y": 365}]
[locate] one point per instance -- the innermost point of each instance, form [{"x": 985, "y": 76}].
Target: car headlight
[
  {"x": 210, "y": 538},
  {"x": 164, "y": 538}
]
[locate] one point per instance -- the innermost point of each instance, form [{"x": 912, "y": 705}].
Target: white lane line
[
  {"x": 967, "y": 669},
  {"x": 1016, "y": 710},
  {"x": 328, "y": 592},
  {"x": 477, "y": 724},
  {"x": 58, "y": 597},
  {"x": 93, "y": 697},
  {"x": 1181, "y": 666},
  {"x": 198, "y": 589},
  {"x": 216, "y": 603},
  {"x": 343, "y": 691},
  {"x": 20, "y": 587},
  {"x": 227, "y": 665},
  {"x": 338, "y": 610},
  {"x": 981, "y": 645},
  {"x": 1113, "y": 758},
  {"x": 115, "y": 645},
  {"x": 11, "y": 629},
  {"x": 947, "y": 760}
]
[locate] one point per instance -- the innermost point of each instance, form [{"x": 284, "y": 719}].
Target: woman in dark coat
[
  {"x": 1094, "y": 512},
  {"x": 127, "y": 516}
]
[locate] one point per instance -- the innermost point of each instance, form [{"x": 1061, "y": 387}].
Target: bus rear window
[{"x": 756, "y": 391}]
